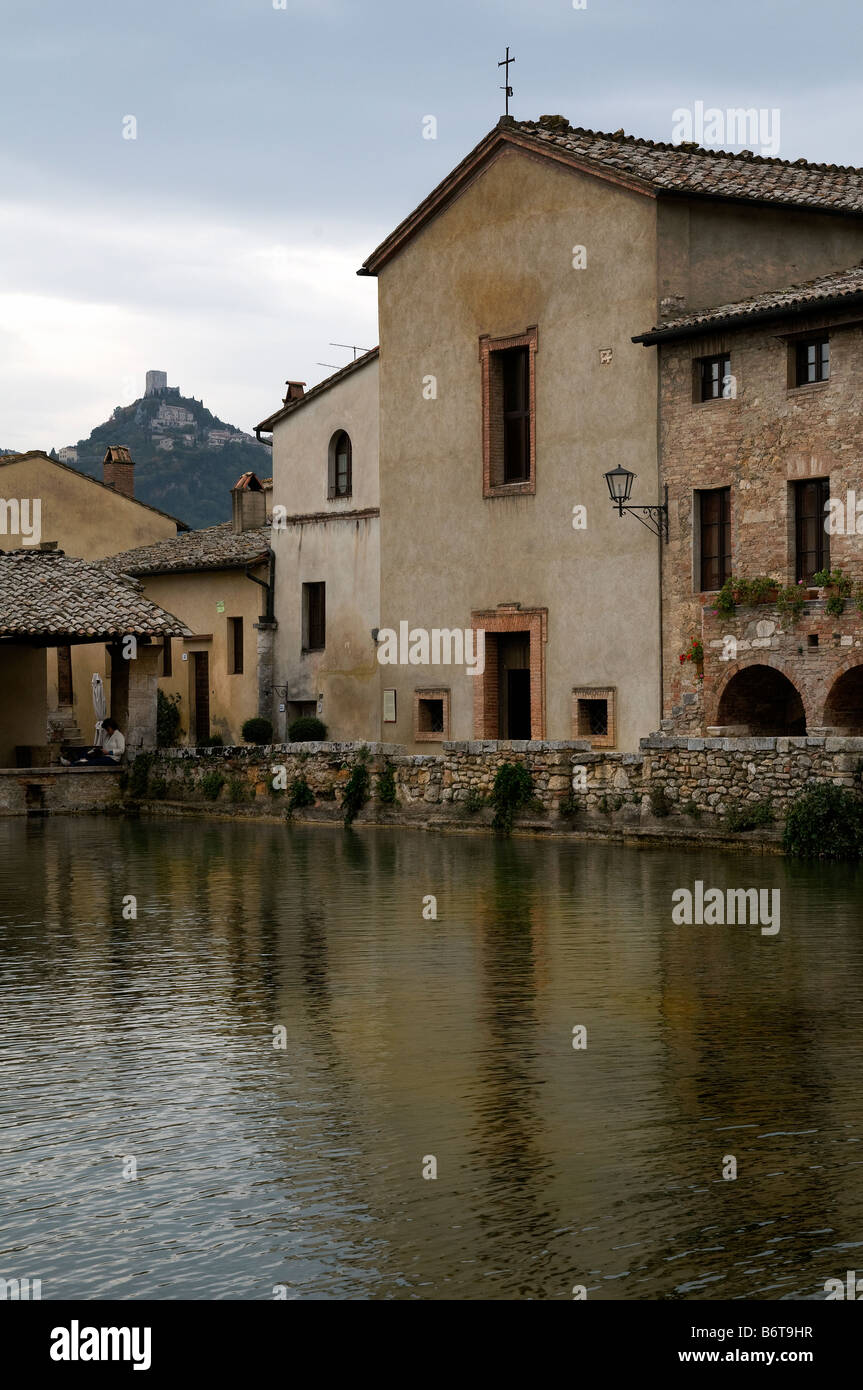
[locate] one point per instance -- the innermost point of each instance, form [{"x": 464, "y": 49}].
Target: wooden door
[{"x": 202, "y": 697}]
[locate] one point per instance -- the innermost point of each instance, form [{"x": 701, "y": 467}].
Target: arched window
[{"x": 340, "y": 465}]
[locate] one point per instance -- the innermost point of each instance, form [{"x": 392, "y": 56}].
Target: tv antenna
[{"x": 504, "y": 63}]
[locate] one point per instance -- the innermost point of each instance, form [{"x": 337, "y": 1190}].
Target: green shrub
[
  {"x": 257, "y": 730},
  {"x": 214, "y": 741},
  {"x": 386, "y": 788},
  {"x": 211, "y": 784},
  {"x": 790, "y": 601},
  {"x": 474, "y": 801},
  {"x": 308, "y": 729},
  {"x": 238, "y": 789},
  {"x": 512, "y": 791},
  {"x": 692, "y": 809},
  {"x": 139, "y": 775},
  {"x": 299, "y": 794},
  {"x": 158, "y": 788},
  {"x": 825, "y": 823},
  {"x": 660, "y": 803},
  {"x": 356, "y": 788},
  {"x": 167, "y": 719},
  {"x": 570, "y": 806},
  {"x": 748, "y": 815}
]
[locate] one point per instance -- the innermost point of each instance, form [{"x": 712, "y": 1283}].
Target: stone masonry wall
[
  {"x": 758, "y": 444},
  {"x": 673, "y": 784}
]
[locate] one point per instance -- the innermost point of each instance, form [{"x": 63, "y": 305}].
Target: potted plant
[{"x": 836, "y": 586}]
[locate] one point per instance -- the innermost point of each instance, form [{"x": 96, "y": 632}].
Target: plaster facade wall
[
  {"x": 196, "y": 598},
  {"x": 498, "y": 261},
  {"x": 331, "y": 541},
  {"x": 712, "y": 252},
  {"x": 90, "y": 522},
  {"x": 23, "y": 706}
]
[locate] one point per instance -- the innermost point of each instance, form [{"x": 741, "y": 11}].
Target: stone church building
[{"x": 510, "y": 379}]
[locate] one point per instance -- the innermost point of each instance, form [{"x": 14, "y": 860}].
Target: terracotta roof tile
[
  {"x": 212, "y": 548},
  {"x": 810, "y": 294},
  {"x": 47, "y": 592}
]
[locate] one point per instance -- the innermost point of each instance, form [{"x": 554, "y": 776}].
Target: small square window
[
  {"x": 713, "y": 377},
  {"x": 431, "y": 715},
  {"x": 811, "y": 361},
  {"x": 593, "y": 715}
]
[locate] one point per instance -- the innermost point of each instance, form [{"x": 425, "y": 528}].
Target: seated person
[{"x": 111, "y": 752}]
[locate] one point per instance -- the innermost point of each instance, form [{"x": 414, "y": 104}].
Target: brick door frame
[{"x": 502, "y": 621}]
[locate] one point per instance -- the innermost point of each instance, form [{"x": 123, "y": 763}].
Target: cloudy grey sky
[{"x": 277, "y": 146}]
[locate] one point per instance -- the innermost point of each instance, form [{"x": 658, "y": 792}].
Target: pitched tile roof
[
  {"x": 292, "y": 405},
  {"x": 212, "y": 548},
  {"x": 650, "y": 166},
  {"x": 49, "y": 593},
  {"x": 841, "y": 289}
]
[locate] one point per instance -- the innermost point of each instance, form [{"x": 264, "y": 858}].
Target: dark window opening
[
  {"x": 712, "y": 374},
  {"x": 167, "y": 657},
  {"x": 340, "y": 466},
  {"x": 515, "y": 390},
  {"x": 812, "y": 542},
  {"x": 430, "y": 716},
  {"x": 314, "y": 617},
  {"x": 235, "y": 646},
  {"x": 593, "y": 718},
  {"x": 715, "y": 538},
  {"x": 811, "y": 361}
]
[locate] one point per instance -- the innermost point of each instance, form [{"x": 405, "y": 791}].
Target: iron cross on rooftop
[{"x": 504, "y": 63}]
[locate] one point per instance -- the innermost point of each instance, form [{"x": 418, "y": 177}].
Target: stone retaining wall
[
  {"x": 58, "y": 790},
  {"x": 671, "y": 783}
]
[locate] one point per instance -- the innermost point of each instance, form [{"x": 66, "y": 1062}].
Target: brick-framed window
[
  {"x": 508, "y": 414},
  {"x": 594, "y": 714},
  {"x": 314, "y": 617},
  {"x": 713, "y": 512},
  {"x": 811, "y": 539},
  {"x": 711, "y": 376},
  {"x": 809, "y": 360},
  {"x": 431, "y": 715}
]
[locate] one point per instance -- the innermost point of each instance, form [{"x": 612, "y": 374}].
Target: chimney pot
[{"x": 296, "y": 391}]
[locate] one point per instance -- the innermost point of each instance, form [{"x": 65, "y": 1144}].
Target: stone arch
[
  {"x": 758, "y": 698},
  {"x": 843, "y": 707}
]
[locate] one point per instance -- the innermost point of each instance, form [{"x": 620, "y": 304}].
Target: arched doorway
[
  {"x": 844, "y": 707},
  {"x": 759, "y": 700}
]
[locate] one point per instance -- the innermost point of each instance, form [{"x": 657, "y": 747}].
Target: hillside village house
[
  {"x": 84, "y": 518},
  {"x": 326, "y": 542},
  {"x": 765, "y": 480},
  {"x": 219, "y": 581},
  {"x": 510, "y": 384}
]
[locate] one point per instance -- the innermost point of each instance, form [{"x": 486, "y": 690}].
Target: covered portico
[{"x": 48, "y": 599}]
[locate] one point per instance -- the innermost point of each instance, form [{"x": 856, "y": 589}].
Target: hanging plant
[{"x": 694, "y": 652}]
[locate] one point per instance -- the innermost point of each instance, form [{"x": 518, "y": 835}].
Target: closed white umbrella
[{"x": 100, "y": 708}]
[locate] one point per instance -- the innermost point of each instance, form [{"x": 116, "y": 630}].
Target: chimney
[
  {"x": 296, "y": 391},
  {"x": 248, "y": 505},
  {"x": 267, "y": 485},
  {"x": 118, "y": 470}
]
